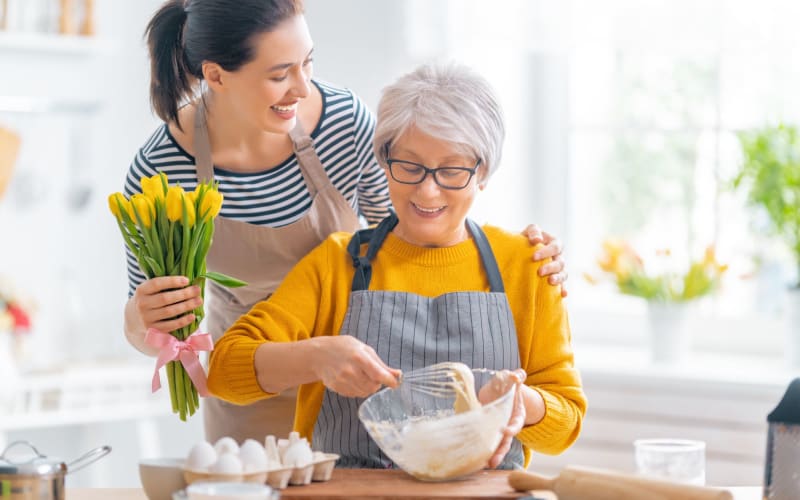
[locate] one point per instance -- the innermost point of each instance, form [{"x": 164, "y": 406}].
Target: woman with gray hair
[{"x": 361, "y": 308}]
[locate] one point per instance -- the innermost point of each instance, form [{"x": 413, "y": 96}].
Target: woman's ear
[
  {"x": 212, "y": 74},
  {"x": 483, "y": 176}
]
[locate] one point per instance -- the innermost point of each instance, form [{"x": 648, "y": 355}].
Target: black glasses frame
[{"x": 433, "y": 172}]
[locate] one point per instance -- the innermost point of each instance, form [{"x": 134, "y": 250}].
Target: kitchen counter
[{"x": 382, "y": 485}]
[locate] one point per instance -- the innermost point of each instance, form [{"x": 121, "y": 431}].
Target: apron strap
[
  {"x": 487, "y": 257},
  {"x": 307, "y": 159},
  {"x": 202, "y": 146},
  {"x": 376, "y": 236}
]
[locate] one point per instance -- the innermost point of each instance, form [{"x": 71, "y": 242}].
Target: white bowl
[
  {"x": 230, "y": 491},
  {"x": 161, "y": 477}
]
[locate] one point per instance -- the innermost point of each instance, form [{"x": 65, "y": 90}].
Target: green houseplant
[{"x": 770, "y": 172}]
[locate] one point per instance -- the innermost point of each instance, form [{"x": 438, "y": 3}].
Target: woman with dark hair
[{"x": 231, "y": 79}]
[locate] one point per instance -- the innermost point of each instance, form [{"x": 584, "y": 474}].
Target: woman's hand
[
  {"x": 166, "y": 303},
  {"x": 556, "y": 269},
  {"x": 352, "y": 368},
  {"x": 518, "y": 414}
]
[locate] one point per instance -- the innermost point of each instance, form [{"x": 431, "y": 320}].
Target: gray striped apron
[{"x": 410, "y": 331}]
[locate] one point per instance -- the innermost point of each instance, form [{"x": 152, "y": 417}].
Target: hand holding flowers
[{"x": 170, "y": 231}]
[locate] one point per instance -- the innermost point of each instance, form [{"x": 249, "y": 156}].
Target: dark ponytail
[
  {"x": 170, "y": 78},
  {"x": 185, "y": 33}
]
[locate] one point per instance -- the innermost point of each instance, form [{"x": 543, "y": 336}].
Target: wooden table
[{"x": 382, "y": 485}]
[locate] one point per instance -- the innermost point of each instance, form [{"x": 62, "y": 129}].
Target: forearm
[
  {"x": 534, "y": 405},
  {"x": 283, "y": 365},
  {"x": 135, "y": 330}
]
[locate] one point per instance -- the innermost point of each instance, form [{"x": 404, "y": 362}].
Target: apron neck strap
[
  {"x": 310, "y": 165},
  {"x": 487, "y": 257},
  {"x": 376, "y": 236}
]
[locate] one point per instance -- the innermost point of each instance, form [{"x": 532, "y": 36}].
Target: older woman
[{"x": 426, "y": 285}]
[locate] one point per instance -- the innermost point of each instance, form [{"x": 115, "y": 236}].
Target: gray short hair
[{"x": 448, "y": 101}]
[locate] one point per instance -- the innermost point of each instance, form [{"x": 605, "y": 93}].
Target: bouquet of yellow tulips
[
  {"x": 627, "y": 269},
  {"x": 169, "y": 231}
]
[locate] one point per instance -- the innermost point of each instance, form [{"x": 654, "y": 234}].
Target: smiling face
[
  {"x": 266, "y": 91},
  {"x": 428, "y": 214}
]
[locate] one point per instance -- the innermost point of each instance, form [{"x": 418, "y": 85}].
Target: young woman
[{"x": 292, "y": 155}]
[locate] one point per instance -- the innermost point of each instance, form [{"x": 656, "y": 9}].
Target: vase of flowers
[{"x": 670, "y": 293}]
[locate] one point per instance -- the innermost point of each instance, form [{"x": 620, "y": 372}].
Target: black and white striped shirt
[{"x": 278, "y": 196}]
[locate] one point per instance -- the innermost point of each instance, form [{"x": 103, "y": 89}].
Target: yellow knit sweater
[{"x": 313, "y": 299}]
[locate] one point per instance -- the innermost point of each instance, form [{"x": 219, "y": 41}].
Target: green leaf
[
  {"x": 157, "y": 269},
  {"x": 223, "y": 279}
]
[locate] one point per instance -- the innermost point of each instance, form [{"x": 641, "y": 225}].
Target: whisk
[{"x": 439, "y": 380}]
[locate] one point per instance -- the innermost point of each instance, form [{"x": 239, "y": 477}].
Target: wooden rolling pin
[{"x": 579, "y": 483}]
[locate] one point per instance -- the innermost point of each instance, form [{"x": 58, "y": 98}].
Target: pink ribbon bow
[{"x": 171, "y": 349}]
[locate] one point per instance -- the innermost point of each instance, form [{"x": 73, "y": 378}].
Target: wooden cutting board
[{"x": 378, "y": 484}]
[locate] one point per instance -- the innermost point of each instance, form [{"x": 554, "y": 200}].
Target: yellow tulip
[
  {"x": 144, "y": 208},
  {"x": 211, "y": 204},
  {"x": 114, "y": 202},
  {"x": 174, "y": 203},
  {"x": 188, "y": 206},
  {"x": 117, "y": 199},
  {"x": 153, "y": 187}
]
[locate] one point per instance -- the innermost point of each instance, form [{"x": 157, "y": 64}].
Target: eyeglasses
[{"x": 408, "y": 172}]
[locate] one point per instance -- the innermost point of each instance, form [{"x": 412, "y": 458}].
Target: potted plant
[
  {"x": 770, "y": 172},
  {"x": 668, "y": 291}
]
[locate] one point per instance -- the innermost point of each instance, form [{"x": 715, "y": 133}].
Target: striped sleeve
[
  {"x": 373, "y": 190},
  {"x": 159, "y": 154}
]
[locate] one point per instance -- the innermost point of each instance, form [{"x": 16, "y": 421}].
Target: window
[{"x": 622, "y": 119}]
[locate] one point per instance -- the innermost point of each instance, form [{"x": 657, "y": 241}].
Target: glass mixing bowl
[{"x": 423, "y": 435}]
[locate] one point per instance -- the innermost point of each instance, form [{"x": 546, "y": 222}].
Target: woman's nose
[
  {"x": 428, "y": 186},
  {"x": 300, "y": 86}
]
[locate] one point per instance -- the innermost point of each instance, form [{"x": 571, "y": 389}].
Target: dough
[{"x": 462, "y": 382}]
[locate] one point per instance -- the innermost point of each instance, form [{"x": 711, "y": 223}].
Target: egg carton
[{"x": 320, "y": 469}]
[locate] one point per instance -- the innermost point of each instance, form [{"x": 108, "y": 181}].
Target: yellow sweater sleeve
[{"x": 545, "y": 349}]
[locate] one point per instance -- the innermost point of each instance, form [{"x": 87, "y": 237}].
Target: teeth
[
  {"x": 428, "y": 210},
  {"x": 283, "y": 109}
]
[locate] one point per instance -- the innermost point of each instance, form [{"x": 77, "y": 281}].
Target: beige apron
[{"x": 262, "y": 256}]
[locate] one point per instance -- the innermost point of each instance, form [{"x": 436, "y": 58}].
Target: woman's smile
[{"x": 428, "y": 211}]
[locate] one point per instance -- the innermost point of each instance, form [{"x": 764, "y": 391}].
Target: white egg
[
  {"x": 226, "y": 445},
  {"x": 273, "y": 455},
  {"x": 253, "y": 456},
  {"x": 298, "y": 454},
  {"x": 201, "y": 456},
  {"x": 227, "y": 463}
]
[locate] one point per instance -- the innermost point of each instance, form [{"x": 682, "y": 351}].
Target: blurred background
[{"x": 628, "y": 123}]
